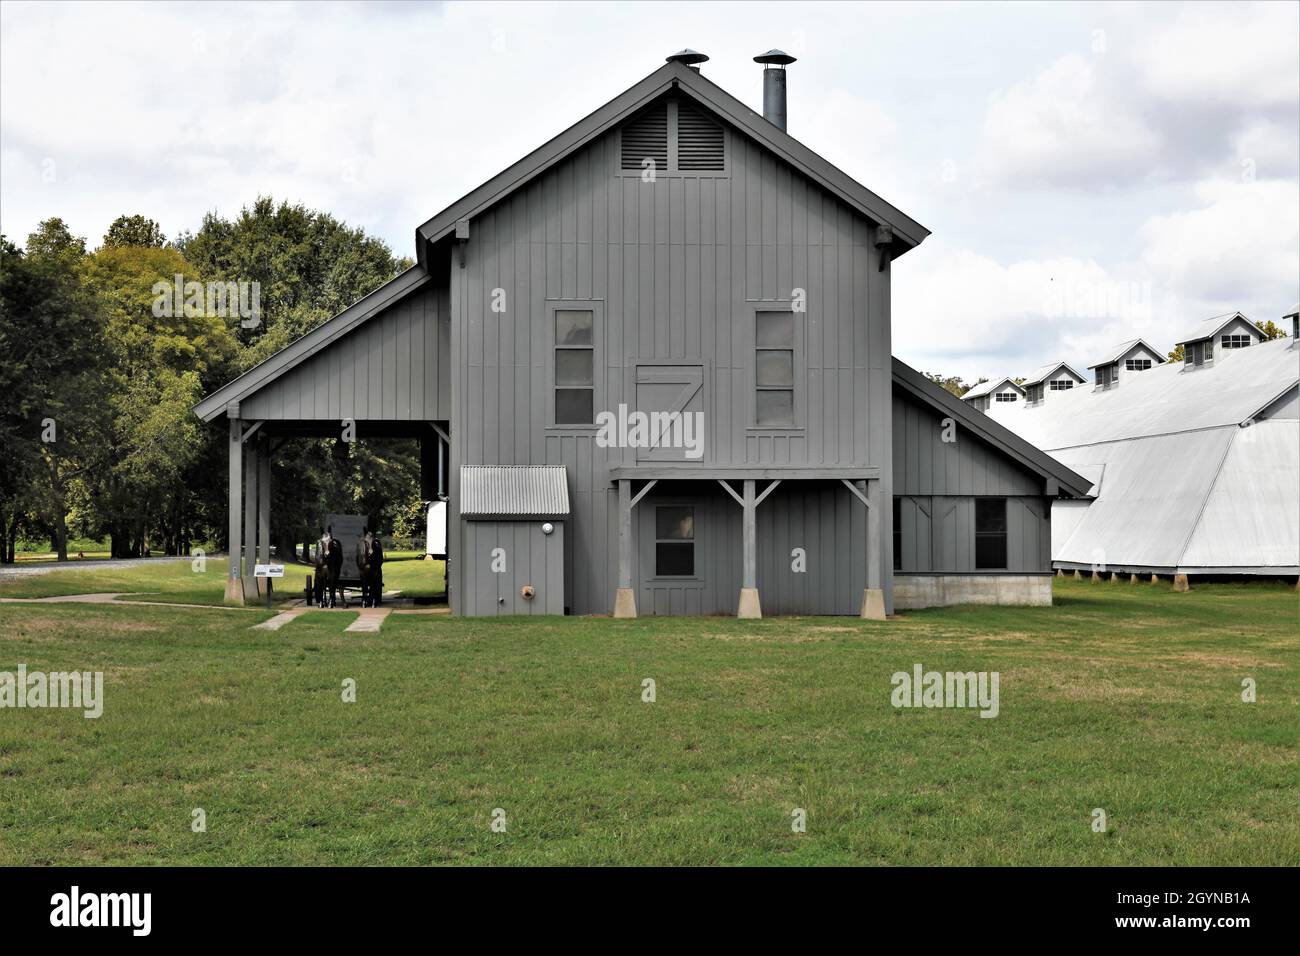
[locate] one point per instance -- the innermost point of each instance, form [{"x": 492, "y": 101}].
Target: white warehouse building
[{"x": 1195, "y": 465}]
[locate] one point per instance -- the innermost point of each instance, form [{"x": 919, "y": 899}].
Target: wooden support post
[
  {"x": 624, "y": 596},
  {"x": 263, "y": 507},
  {"x": 749, "y": 605},
  {"x": 873, "y": 596},
  {"x": 250, "y": 520},
  {"x": 234, "y": 583}
]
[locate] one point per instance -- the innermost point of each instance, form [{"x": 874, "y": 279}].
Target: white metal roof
[
  {"x": 513, "y": 491},
  {"x": 1179, "y": 483},
  {"x": 1166, "y": 398},
  {"x": 984, "y": 388},
  {"x": 1046, "y": 370},
  {"x": 1252, "y": 516}
]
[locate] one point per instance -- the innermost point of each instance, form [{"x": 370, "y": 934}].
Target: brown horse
[{"x": 370, "y": 562}]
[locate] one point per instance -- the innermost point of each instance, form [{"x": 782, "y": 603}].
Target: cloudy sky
[{"x": 1090, "y": 172}]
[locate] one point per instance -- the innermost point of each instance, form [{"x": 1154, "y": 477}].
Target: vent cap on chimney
[
  {"x": 688, "y": 57},
  {"x": 775, "y": 57}
]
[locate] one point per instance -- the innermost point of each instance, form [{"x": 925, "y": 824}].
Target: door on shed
[{"x": 676, "y": 390}]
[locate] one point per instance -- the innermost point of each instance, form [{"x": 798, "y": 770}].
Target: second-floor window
[
  {"x": 1034, "y": 393},
  {"x": 574, "y": 367},
  {"x": 1061, "y": 384},
  {"x": 1005, "y": 397},
  {"x": 1234, "y": 341},
  {"x": 1136, "y": 365},
  {"x": 1105, "y": 376},
  {"x": 774, "y": 370}
]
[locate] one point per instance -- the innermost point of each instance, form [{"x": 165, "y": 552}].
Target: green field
[
  {"x": 1125, "y": 698},
  {"x": 190, "y": 582}
]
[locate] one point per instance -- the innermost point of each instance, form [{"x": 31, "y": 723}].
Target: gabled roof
[
  {"x": 514, "y": 491},
  {"x": 986, "y": 388},
  {"x": 266, "y": 371},
  {"x": 1295, "y": 310},
  {"x": 1119, "y": 351},
  {"x": 1212, "y": 326},
  {"x": 907, "y": 231},
  {"x": 1057, "y": 478},
  {"x": 1048, "y": 370}
]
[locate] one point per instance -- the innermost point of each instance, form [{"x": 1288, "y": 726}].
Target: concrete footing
[
  {"x": 1155, "y": 578},
  {"x": 1096, "y": 577},
  {"x": 234, "y": 592},
  {"x": 749, "y": 606},
  {"x": 873, "y": 605},
  {"x": 1132, "y": 579},
  {"x": 1180, "y": 583},
  {"x": 1078, "y": 575},
  {"x": 625, "y": 602}
]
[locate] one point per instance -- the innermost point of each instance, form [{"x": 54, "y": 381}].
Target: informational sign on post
[{"x": 268, "y": 570}]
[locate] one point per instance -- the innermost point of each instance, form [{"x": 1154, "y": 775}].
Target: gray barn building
[{"x": 651, "y": 365}]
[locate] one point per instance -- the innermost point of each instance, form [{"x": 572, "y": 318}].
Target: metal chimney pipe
[{"x": 774, "y": 63}]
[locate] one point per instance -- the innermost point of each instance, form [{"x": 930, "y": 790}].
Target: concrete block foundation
[{"x": 912, "y": 591}]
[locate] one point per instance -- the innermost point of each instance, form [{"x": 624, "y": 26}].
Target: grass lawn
[
  {"x": 180, "y": 582},
  {"x": 1126, "y": 698}
]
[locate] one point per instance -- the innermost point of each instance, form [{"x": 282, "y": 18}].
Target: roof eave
[{"x": 1035, "y": 459}]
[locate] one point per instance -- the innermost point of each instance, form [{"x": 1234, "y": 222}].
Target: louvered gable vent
[
  {"x": 699, "y": 140},
  {"x": 645, "y": 136}
]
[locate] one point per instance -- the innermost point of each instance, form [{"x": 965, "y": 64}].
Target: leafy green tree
[
  {"x": 162, "y": 361},
  {"x": 51, "y": 380},
  {"x": 954, "y": 383},
  {"x": 134, "y": 231},
  {"x": 1177, "y": 354},
  {"x": 1270, "y": 330}
]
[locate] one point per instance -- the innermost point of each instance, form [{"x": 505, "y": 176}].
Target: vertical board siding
[
  {"x": 679, "y": 264},
  {"x": 394, "y": 367}
]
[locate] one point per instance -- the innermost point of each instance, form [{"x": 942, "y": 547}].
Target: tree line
[{"x": 98, "y": 438}]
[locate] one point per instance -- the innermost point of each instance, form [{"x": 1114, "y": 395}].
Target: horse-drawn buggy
[{"x": 348, "y": 554}]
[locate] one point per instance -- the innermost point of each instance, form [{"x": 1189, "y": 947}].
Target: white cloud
[
  {"x": 1060, "y": 128},
  {"x": 1240, "y": 55}
]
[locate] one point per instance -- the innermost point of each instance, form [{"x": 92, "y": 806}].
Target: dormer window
[
  {"x": 1004, "y": 397},
  {"x": 1034, "y": 394},
  {"x": 1235, "y": 341},
  {"x": 1136, "y": 365},
  {"x": 1198, "y": 353},
  {"x": 1106, "y": 376},
  {"x": 1060, "y": 384}
]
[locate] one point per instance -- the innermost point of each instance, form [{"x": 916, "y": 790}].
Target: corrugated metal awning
[{"x": 514, "y": 491}]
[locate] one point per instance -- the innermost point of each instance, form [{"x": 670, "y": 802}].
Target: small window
[
  {"x": 990, "y": 534},
  {"x": 574, "y": 367},
  {"x": 1034, "y": 394},
  {"x": 1061, "y": 384},
  {"x": 1005, "y": 397},
  {"x": 898, "y": 533},
  {"x": 1105, "y": 376},
  {"x": 1235, "y": 341},
  {"x": 774, "y": 370},
  {"x": 1136, "y": 365},
  {"x": 674, "y": 541},
  {"x": 1198, "y": 353}
]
